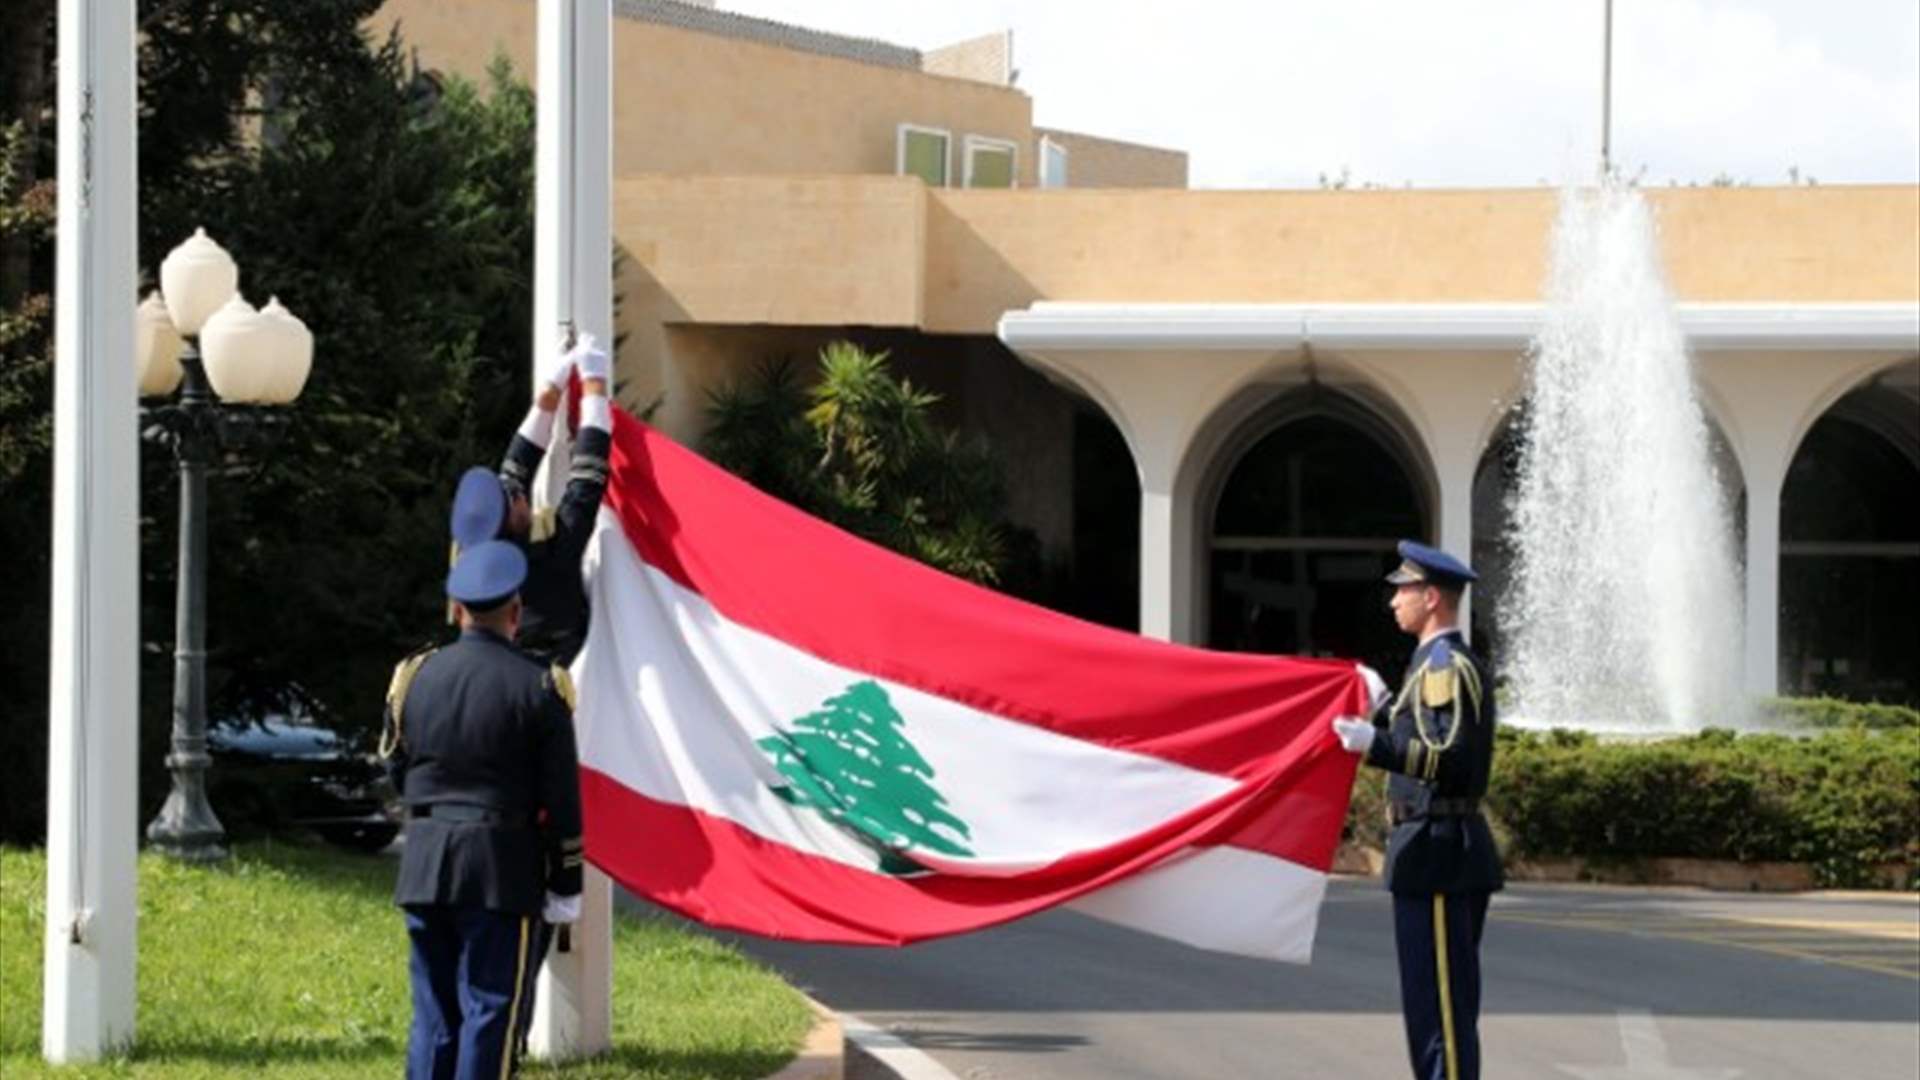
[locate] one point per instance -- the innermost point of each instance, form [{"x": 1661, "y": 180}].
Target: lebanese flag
[{"x": 792, "y": 732}]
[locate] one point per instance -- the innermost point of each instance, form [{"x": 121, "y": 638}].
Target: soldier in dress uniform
[
  {"x": 1436, "y": 739},
  {"x": 479, "y": 737},
  {"x": 554, "y": 620}
]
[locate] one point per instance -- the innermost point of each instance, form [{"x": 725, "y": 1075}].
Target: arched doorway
[
  {"x": 1850, "y": 547},
  {"x": 1304, "y": 518}
]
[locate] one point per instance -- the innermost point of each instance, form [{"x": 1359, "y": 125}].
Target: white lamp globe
[
  {"x": 293, "y": 353},
  {"x": 237, "y": 348},
  {"x": 156, "y": 347},
  {"x": 197, "y": 279}
]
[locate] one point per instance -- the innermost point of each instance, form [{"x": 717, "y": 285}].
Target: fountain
[{"x": 1623, "y": 611}]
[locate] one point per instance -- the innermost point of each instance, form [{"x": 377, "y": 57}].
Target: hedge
[
  {"x": 1825, "y": 712},
  {"x": 1845, "y": 801}
]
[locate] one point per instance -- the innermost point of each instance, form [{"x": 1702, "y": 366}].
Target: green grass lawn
[{"x": 291, "y": 962}]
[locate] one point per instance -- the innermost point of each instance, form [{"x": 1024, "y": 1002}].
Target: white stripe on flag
[
  {"x": 674, "y": 697},
  {"x": 1221, "y": 898}
]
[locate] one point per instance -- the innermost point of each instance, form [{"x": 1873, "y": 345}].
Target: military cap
[
  {"x": 487, "y": 574},
  {"x": 1420, "y": 563},
  {"x": 479, "y": 506}
]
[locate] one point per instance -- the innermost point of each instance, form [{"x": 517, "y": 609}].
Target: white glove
[
  {"x": 561, "y": 910},
  {"x": 593, "y": 361},
  {"x": 555, "y": 370},
  {"x": 1356, "y": 735}
]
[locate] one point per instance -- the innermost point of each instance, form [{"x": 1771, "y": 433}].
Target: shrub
[
  {"x": 1826, "y": 712},
  {"x": 1846, "y": 801}
]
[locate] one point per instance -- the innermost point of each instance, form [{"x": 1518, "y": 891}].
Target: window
[
  {"x": 922, "y": 152},
  {"x": 1053, "y": 163},
  {"x": 990, "y": 162}
]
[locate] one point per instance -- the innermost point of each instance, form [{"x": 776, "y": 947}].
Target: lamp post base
[
  {"x": 186, "y": 828},
  {"x": 186, "y": 843}
]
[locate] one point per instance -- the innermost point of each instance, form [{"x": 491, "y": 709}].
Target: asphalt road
[{"x": 1589, "y": 983}]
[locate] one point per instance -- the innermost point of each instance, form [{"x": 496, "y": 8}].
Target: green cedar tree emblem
[{"x": 852, "y": 761}]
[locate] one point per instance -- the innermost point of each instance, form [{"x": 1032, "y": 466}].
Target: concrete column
[
  {"x": 1455, "y": 401},
  {"x": 1166, "y": 556},
  {"x": 1456, "y": 518},
  {"x": 1762, "y": 656},
  {"x": 93, "y": 710},
  {"x": 573, "y": 283},
  {"x": 1766, "y": 402}
]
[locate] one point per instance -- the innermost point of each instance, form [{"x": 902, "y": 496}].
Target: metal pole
[
  {"x": 186, "y": 827},
  {"x": 1606, "y": 96},
  {"x": 89, "y": 954}
]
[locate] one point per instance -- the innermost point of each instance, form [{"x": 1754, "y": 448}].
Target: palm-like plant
[{"x": 859, "y": 448}]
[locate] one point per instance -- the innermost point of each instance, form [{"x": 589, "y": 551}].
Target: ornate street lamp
[{"x": 252, "y": 358}]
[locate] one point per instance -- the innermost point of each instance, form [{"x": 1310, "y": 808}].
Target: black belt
[
  {"x": 467, "y": 814},
  {"x": 1400, "y": 813}
]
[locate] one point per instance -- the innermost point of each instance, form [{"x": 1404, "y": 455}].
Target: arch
[
  {"x": 1300, "y": 495},
  {"x": 1850, "y": 544},
  {"x": 1851, "y": 379}
]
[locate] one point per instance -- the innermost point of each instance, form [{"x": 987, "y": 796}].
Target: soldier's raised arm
[{"x": 587, "y": 472}]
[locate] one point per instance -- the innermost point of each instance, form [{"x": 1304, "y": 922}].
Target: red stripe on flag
[
  {"x": 710, "y": 869},
  {"x": 769, "y": 567}
]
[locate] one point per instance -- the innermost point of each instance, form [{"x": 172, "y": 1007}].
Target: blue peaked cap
[
  {"x": 479, "y": 507},
  {"x": 1418, "y": 562},
  {"x": 487, "y": 574}
]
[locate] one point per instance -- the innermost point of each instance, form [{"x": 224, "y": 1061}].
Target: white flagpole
[
  {"x": 92, "y": 846},
  {"x": 573, "y": 286}
]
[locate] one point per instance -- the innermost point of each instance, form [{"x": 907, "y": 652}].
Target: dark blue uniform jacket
[
  {"x": 486, "y": 763},
  {"x": 1437, "y": 743}
]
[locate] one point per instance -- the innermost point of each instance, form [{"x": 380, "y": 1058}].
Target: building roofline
[{"x": 769, "y": 32}]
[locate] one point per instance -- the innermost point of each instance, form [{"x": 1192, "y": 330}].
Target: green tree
[
  {"x": 26, "y": 466},
  {"x": 852, "y": 761},
  {"x": 391, "y": 212},
  {"x": 860, "y": 448}
]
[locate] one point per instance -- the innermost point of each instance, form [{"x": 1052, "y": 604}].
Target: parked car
[{"x": 280, "y": 763}]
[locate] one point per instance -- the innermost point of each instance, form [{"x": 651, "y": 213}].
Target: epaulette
[
  {"x": 1437, "y": 685},
  {"x": 392, "y": 736},
  {"x": 562, "y": 684},
  {"x": 544, "y": 524}
]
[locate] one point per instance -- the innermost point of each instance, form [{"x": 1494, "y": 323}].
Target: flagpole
[
  {"x": 87, "y": 1007},
  {"x": 573, "y": 289}
]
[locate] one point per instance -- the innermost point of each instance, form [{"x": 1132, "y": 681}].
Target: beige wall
[
  {"x": 884, "y": 251},
  {"x": 692, "y": 102},
  {"x": 1093, "y": 162}
]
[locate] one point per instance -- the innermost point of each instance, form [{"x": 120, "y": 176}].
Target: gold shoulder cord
[
  {"x": 563, "y": 685},
  {"x": 545, "y": 521},
  {"x": 391, "y": 738},
  {"x": 1458, "y": 671}
]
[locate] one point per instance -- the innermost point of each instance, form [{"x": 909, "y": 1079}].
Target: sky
[{"x": 1451, "y": 93}]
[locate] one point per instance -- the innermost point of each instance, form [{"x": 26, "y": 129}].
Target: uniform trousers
[
  {"x": 1438, "y": 938},
  {"x": 468, "y": 966}
]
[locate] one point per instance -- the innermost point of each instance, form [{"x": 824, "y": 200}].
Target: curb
[
  {"x": 873, "y": 1053},
  {"x": 845, "y": 1047},
  {"x": 821, "y": 1053}
]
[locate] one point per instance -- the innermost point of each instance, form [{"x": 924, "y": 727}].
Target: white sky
[{"x": 1451, "y": 93}]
